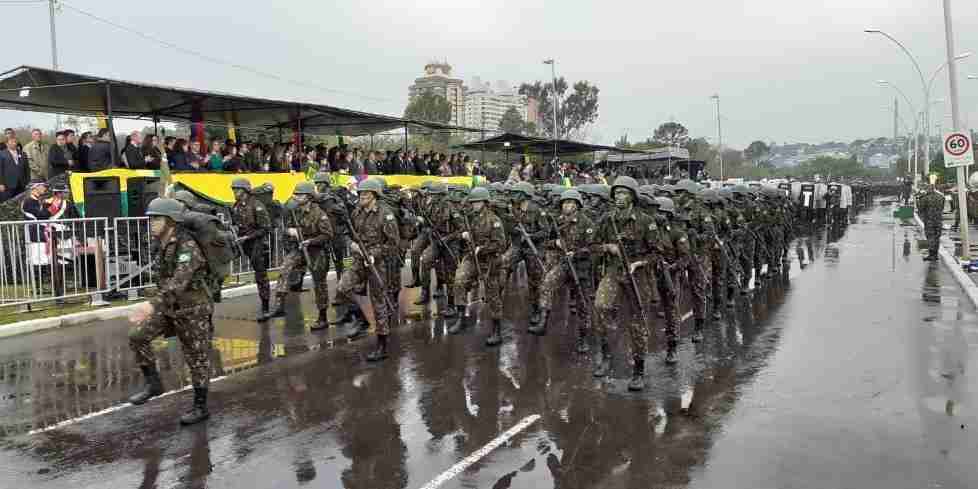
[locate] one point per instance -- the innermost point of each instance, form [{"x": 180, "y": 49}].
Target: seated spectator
[{"x": 59, "y": 156}]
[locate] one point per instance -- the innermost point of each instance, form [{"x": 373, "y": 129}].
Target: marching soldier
[
  {"x": 677, "y": 256},
  {"x": 702, "y": 235},
  {"x": 376, "y": 267},
  {"x": 252, "y": 224},
  {"x": 444, "y": 229},
  {"x": 633, "y": 241},
  {"x": 312, "y": 228},
  {"x": 529, "y": 231},
  {"x": 183, "y": 305},
  {"x": 573, "y": 236},
  {"x": 421, "y": 205},
  {"x": 931, "y": 209},
  {"x": 486, "y": 239}
]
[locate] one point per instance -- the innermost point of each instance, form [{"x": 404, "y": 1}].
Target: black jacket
[
  {"x": 135, "y": 158},
  {"x": 81, "y": 164},
  {"x": 420, "y": 168},
  {"x": 57, "y": 160},
  {"x": 34, "y": 210},
  {"x": 100, "y": 156},
  {"x": 13, "y": 176}
]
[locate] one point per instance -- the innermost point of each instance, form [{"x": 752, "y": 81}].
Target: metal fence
[{"x": 53, "y": 260}]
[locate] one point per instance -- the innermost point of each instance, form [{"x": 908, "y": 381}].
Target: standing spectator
[
  {"x": 100, "y": 156},
  {"x": 169, "y": 143},
  {"x": 152, "y": 155},
  {"x": 353, "y": 166},
  {"x": 58, "y": 156},
  {"x": 249, "y": 158},
  {"x": 370, "y": 166},
  {"x": 85, "y": 145},
  {"x": 215, "y": 160},
  {"x": 514, "y": 174},
  {"x": 434, "y": 164},
  {"x": 421, "y": 165},
  {"x": 179, "y": 160},
  {"x": 72, "y": 144},
  {"x": 196, "y": 158},
  {"x": 37, "y": 155},
  {"x": 14, "y": 172},
  {"x": 444, "y": 169},
  {"x": 133, "y": 153},
  {"x": 231, "y": 161}
]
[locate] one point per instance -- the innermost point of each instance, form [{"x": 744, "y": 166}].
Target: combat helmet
[
  {"x": 625, "y": 182},
  {"x": 321, "y": 177},
  {"x": 241, "y": 183},
  {"x": 374, "y": 185},
  {"x": 666, "y": 205},
  {"x": 479, "y": 194},
  {"x": 572, "y": 195},
  {"x": 162, "y": 206},
  {"x": 525, "y": 188},
  {"x": 185, "y": 197},
  {"x": 304, "y": 188}
]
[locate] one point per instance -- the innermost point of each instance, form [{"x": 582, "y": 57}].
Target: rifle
[
  {"x": 570, "y": 265},
  {"x": 234, "y": 234},
  {"x": 437, "y": 235},
  {"x": 626, "y": 262},
  {"x": 730, "y": 262},
  {"x": 370, "y": 266},
  {"x": 302, "y": 247},
  {"x": 533, "y": 247},
  {"x": 475, "y": 256}
]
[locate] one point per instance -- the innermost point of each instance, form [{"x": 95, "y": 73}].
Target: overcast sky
[{"x": 786, "y": 70}]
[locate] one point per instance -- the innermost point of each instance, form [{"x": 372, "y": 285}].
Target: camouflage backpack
[{"x": 215, "y": 242}]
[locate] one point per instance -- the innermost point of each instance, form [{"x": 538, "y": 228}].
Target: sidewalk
[{"x": 950, "y": 246}]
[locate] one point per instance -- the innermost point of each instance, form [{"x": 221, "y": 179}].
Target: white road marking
[
  {"x": 480, "y": 453},
  {"x": 108, "y": 410}
]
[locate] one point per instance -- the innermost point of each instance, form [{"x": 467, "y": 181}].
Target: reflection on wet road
[{"x": 853, "y": 375}]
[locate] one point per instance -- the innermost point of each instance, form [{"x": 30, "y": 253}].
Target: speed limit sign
[{"x": 958, "y": 150}]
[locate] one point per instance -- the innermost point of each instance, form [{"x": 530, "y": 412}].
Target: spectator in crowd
[
  {"x": 14, "y": 171},
  {"x": 353, "y": 166},
  {"x": 100, "y": 156},
  {"x": 215, "y": 160},
  {"x": 84, "y": 146},
  {"x": 178, "y": 159},
  {"x": 444, "y": 169},
  {"x": 421, "y": 164},
  {"x": 370, "y": 166},
  {"x": 37, "y": 155},
  {"x": 231, "y": 160},
  {"x": 42, "y": 240},
  {"x": 72, "y": 145},
  {"x": 152, "y": 155},
  {"x": 195, "y": 158},
  {"x": 434, "y": 164},
  {"x": 59, "y": 156},
  {"x": 123, "y": 157},
  {"x": 169, "y": 143},
  {"x": 249, "y": 158}
]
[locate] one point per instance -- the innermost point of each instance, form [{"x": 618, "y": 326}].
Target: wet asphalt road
[{"x": 854, "y": 375}]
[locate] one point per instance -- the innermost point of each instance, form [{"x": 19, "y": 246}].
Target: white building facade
[{"x": 485, "y": 104}]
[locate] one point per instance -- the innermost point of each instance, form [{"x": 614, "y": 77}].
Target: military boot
[
  {"x": 638, "y": 374},
  {"x": 534, "y": 315},
  {"x": 424, "y": 298},
  {"x": 496, "y": 338},
  {"x": 449, "y": 311},
  {"x": 198, "y": 412},
  {"x": 322, "y": 322},
  {"x": 279, "y": 311},
  {"x": 439, "y": 292},
  {"x": 360, "y": 326},
  {"x": 459, "y": 323},
  {"x": 263, "y": 311},
  {"x": 540, "y": 328},
  {"x": 671, "y": 356},
  {"x": 698, "y": 330},
  {"x": 582, "y": 346},
  {"x": 346, "y": 316},
  {"x": 153, "y": 388},
  {"x": 603, "y": 369},
  {"x": 415, "y": 276},
  {"x": 381, "y": 352}
]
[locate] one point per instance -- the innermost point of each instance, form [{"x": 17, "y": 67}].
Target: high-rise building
[
  {"x": 438, "y": 79},
  {"x": 485, "y": 104}
]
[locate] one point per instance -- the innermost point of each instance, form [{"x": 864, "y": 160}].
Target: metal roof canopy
[
  {"x": 518, "y": 143},
  {"x": 60, "y": 92}
]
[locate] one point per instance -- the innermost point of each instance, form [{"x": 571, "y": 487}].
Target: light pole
[
  {"x": 553, "y": 76},
  {"x": 54, "y": 52},
  {"x": 930, "y": 84},
  {"x": 716, "y": 97},
  {"x": 916, "y": 125},
  {"x": 952, "y": 74}
]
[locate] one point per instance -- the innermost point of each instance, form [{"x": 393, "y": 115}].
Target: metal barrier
[
  {"x": 131, "y": 262},
  {"x": 53, "y": 260}
]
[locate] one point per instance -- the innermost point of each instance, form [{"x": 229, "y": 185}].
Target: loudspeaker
[
  {"x": 140, "y": 191},
  {"x": 103, "y": 197}
]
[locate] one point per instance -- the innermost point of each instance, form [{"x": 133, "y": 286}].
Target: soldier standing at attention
[
  {"x": 376, "y": 264},
  {"x": 486, "y": 239},
  {"x": 311, "y": 226},
  {"x": 183, "y": 305},
  {"x": 253, "y": 224},
  {"x": 931, "y": 209},
  {"x": 573, "y": 233}
]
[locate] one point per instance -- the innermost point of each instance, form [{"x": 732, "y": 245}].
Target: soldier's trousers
[
  {"x": 933, "y": 234},
  {"x": 558, "y": 278},
  {"x": 416, "y": 252},
  {"x": 383, "y": 293},
  {"x": 746, "y": 262},
  {"x": 295, "y": 263},
  {"x": 613, "y": 290},
  {"x": 699, "y": 282},
  {"x": 438, "y": 257},
  {"x": 191, "y": 326},
  {"x": 494, "y": 276},
  {"x": 340, "y": 245},
  {"x": 718, "y": 279},
  {"x": 258, "y": 255},
  {"x": 534, "y": 272}
]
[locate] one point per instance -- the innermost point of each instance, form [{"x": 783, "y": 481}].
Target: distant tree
[
  {"x": 623, "y": 142},
  {"x": 430, "y": 107},
  {"x": 512, "y": 122},
  {"x": 576, "y": 109},
  {"x": 671, "y": 134},
  {"x": 757, "y": 152}
]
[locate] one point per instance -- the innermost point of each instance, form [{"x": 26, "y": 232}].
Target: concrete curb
[
  {"x": 954, "y": 266},
  {"x": 85, "y": 317}
]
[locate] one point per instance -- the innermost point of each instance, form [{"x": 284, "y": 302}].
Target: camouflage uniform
[
  {"x": 930, "y": 206},
  {"x": 701, "y": 232},
  {"x": 380, "y": 240},
  {"x": 315, "y": 226},
  {"x": 445, "y": 222},
  {"x": 253, "y": 224},
  {"x": 486, "y": 232},
  {"x": 182, "y": 307},
  {"x": 532, "y": 220},
  {"x": 679, "y": 257}
]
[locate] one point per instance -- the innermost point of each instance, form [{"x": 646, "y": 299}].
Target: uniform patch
[
  {"x": 496, "y": 224},
  {"x": 183, "y": 258},
  {"x": 651, "y": 227},
  {"x": 590, "y": 231},
  {"x": 389, "y": 217}
]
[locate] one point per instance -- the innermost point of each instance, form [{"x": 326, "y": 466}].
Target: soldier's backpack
[
  {"x": 264, "y": 195},
  {"x": 407, "y": 223},
  {"x": 216, "y": 242}
]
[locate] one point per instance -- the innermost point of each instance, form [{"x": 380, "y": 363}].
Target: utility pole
[
  {"x": 54, "y": 51},
  {"x": 952, "y": 74},
  {"x": 896, "y": 117},
  {"x": 719, "y": 135},
  {"x": 553, "y": 75}
]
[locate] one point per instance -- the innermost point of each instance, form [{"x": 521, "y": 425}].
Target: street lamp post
[
  {"x": 553, "y": 75},
  {"x": 916, "y": 125},
  {"x": 716, "y": 97},
  {"x": 952, "y": 74}
]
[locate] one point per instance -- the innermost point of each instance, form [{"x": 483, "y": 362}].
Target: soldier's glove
[
  {"x": 306, "y": 243},
  {"x": 421, "y": 220},
  {"x": 293, "y": 232},
  {"x": 612, "y": 249},
  {"x": 477, "y": 250},
  {"x": 354, "y": 247},
  {"x": 466, "y": 236}
]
